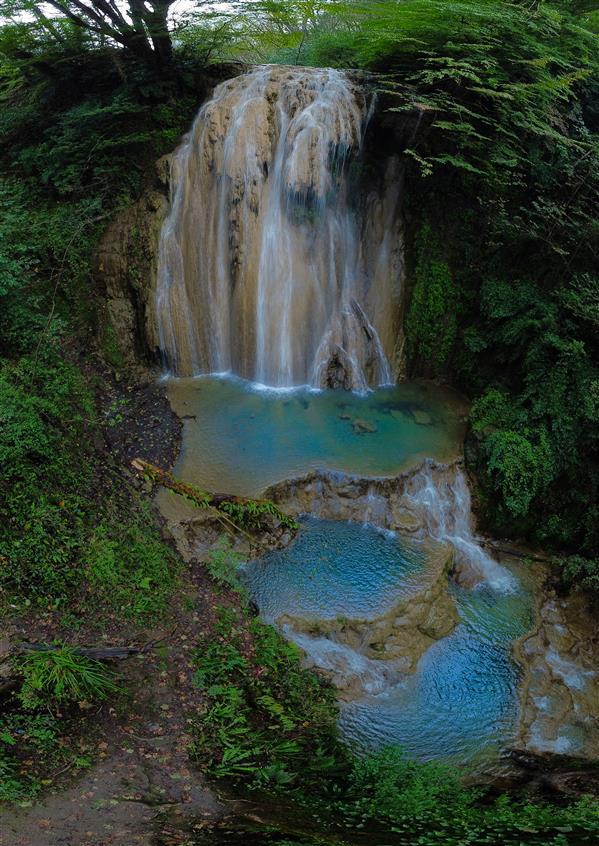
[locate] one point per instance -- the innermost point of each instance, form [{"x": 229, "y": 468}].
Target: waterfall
[
  {"x": 273, "y": 263},
  {"x": 442, "y": 500}
]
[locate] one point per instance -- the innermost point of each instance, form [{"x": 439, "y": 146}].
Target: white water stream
[{"x": 271, "y": 266}]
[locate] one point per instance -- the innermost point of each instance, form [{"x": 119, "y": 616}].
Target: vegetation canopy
[{"x": 493, "y": 109}]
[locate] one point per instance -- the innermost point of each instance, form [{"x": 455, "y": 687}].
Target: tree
[{"x": 139, "y": 26}]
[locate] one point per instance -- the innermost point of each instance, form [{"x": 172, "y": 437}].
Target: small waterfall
[
  {"x": 348, "y": 669},
  {"x": 442, "y": 501},
  {"x": 270, "y": 265}
]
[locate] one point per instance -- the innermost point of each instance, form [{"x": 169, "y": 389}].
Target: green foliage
[
  {"x": 427, "y": 804},
  {"x": 417, "y": 799},
  {"x": 43, "y": 403},
  {"x": 223, "y": 564},
  {"x": 431, "y": 320},
  {"x": 61, "y": 677},
  {"x": 27, "y": 735},
  {"x": 267, "y": 720},
  {"x": 36, "y": 721},
  {"x": 581, "y": 573},
  {"x": 53, "y": 535},
  {"x": 250, "y": 514},
  {"x": 45, "y": 411},
  {"x": 36, "y": 747},
  {"x": 538, "y": 423},
  {"x": 44, "y": 260},
  {"x": 111, "y": 350},
  {"x": 519, "y": 470},
  {"x": 129, "y": 568}
]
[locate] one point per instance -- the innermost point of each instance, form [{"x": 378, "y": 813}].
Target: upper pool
[{"x": 240, "y": 439}]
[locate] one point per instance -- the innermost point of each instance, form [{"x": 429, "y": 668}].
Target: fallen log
[
  {"x": 98, "y": 653},
  {"x": 237, "y": 512}
]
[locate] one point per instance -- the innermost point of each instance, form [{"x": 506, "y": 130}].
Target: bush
[
  {"x": 129, "y": 568},
  {"x": 389, "y": 786},
  {"x": 223, "y": 564},
  {"x": 45, "y": 470},
  {"x": 60, "y": 676},
  {"x": 580, "y": 572},
  {"x": 267, "y": 720},
  {"x": 519, "y": 470},
  {"x": 34, "y": 744},
  {"x": 431, "y": 318},
  {"x": 55, "y": 533}
]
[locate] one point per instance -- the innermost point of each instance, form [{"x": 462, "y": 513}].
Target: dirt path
[{"x": 141, "y": 784}]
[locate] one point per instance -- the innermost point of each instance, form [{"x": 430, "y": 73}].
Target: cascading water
[
  {"x": 272, "y": 264},
  {"x": 278, "y": 266},
  {"x": 419, "y": 645},
  {"x": 442, "y": 500}
]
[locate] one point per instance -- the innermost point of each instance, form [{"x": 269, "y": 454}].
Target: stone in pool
[{"x": 363, "y": 426}]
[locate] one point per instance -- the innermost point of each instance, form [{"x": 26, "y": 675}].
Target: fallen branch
[
  {"x": 237, "y": 512},
  {"x": 98, "y": 653}
]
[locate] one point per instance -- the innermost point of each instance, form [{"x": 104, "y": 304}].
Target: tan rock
[
  {"x": 560, "y": 687},
  {"x": 403, "y": 632},
  {"x": 364, "y": 425},
  {"x": 125, "y": 267},
  {"x": 423, "y": 418}
]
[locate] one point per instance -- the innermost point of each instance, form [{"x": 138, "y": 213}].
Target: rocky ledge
[
  {"x": 560, "y": 687},
  {"x": 395, "y": 639}
]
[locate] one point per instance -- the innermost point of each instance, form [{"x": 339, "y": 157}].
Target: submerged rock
[
  {"x": 423, "y": 418},
  {"x": 396, "y": 639},
  {"x": 362, "y": 426}
]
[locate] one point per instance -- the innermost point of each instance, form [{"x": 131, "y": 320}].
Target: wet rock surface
[
  {"x": 337, "y": 496},
  {"x": 125, "y": 267},
  {"x": 299, "y": 260},
  {"x": 560, "y": 689},
  {"x": 403, "y": 504},
  {"x": 398, "y": 636}
]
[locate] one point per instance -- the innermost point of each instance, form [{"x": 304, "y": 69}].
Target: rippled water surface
[
  {"x": 240, "y": 439},
  {"x": 461, "y": 704},
  {"x": 335, "y": 569}
]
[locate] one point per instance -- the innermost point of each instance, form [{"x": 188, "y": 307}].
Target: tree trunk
[{"x": 239, "y": 512}]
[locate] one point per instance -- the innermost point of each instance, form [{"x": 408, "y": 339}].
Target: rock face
[
  {"x": 125, "y": 267},
  {"x": 560, "y": 690},
  {"x": 277, "y": 259}
]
